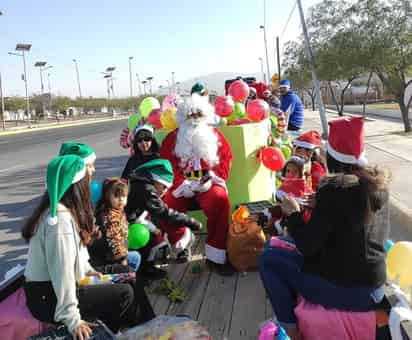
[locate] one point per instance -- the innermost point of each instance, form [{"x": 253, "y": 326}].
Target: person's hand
[
  {"x": 157, "y": 232},
  {"x": 83, "y": 331},
  {"x": 309, "y": 200},
  {"x": 97, "y": 274},
  {"x": 124, "y": 262},
  {"x": 289, "y": 205}
]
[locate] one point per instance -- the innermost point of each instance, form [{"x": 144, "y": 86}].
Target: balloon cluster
[
  {"x": 159, "y": 117},
  {"x": 233, "y": 108}
]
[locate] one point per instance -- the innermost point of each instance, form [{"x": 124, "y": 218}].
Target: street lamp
[
  {"x": 149, "y": 79},
  {"x": 108, "y": 74},
  {"x": 139, "y": 83},
  {"x": 78, "y": 77},
  {"x": 2, "y": 104},
  {"x": 173, "y": 80},
  {"x": 23, "y": 48},
  {"x": 262, "y": 27},
  {"x": 261, "y": 70},
  {"x": 50, "y": 94},
  {"x": 144, "y": 82},
  {"x": 41, "y": 65},
  {"x": 130, "y": 75}
]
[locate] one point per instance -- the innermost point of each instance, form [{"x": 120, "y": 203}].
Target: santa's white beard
[{"x": 196, "y": 140}]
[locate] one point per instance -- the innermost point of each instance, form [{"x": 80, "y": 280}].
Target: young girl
[
  {"x": 145, "y": 149},
  {"x": 111, "y": 249},
  {"x": 58, "y": 232}
]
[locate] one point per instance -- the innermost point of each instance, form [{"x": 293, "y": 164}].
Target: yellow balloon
[
  {"x": 168, "y": 119},
  {"x": 398, "y": 263}
]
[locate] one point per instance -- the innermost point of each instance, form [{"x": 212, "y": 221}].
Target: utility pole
[
  {"x": 139, "y": 83},
  {"x": 130, "y": 75},
  {"x": 322, "y": 112},
  {"x": 3, "y": 119},
  {"x": 78, "y": 77},
  {"x": 278, "y": 56}
]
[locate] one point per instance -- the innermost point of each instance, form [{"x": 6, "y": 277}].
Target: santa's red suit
[{"x": 200, "y": 183}]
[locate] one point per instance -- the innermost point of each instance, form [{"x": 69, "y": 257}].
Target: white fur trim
[
  {"x": 144, "y": 127},
  {"x": 161, "y": 180},
  {"x": 79, "y": 176},
  {"x": 348, "y": 159},
  {"x": 215, "y": 255},
  {"x": 280, "y": 194},
  {"x": 52, "y": 220},
  {"x": 305, "y": 145},
  {"x": 90, "y": 159},
  {"x": 185, "y": 240}
]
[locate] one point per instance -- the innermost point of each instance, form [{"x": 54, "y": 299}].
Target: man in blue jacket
[{"x": 290, "y": 104}]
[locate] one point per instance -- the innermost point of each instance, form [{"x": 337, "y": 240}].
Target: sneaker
[
  {"x": 225, "y": 269},
  {"x": 184, "y": 256},
  {"x": 149, "y": 271}
]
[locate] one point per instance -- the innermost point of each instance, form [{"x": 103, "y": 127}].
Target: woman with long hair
[
  {"x": 339, "y": 260},
  {"x": 58, "y": 233}
]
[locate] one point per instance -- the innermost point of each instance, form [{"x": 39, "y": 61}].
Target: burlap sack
[{"x": 244, "y": 244}]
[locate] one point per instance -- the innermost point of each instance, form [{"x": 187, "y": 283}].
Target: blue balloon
[
  {"x": 96, "y": 191},
  {"x": 389, "y": 244}
]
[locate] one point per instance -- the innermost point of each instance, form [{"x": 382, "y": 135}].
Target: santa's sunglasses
[{"x": 143, "y": 139}]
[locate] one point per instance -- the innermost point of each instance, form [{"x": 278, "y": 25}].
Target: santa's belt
[{"x": 196, "y": 174}]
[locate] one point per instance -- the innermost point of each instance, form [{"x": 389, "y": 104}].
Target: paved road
[{"x": 23, "y": 160}]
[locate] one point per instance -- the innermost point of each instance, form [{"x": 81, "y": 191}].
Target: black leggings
[{"x": 117, "y": 305}]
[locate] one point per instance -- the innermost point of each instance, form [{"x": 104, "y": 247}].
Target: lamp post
[
  {"x": 41, "y": 65},
  {"x": 149, "y": 79},
  {"x": 144, "y": 82},
  {"x": 23, "y": 48},
  {"x": 2, "y": 105},
  {"x": 78, "y": 77},
  {"x": 261, "y": 70},
  {"x": 262, "y": 27},
  {"x": 173, "y": 81},
  {"x": 130, "y": 75},
  {"x": 139, "y": 83},
  {"x": 108, "y": 75},
  {"x": 49, "y": 87}
]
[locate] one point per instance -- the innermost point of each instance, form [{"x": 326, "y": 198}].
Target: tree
[{"x": 14, "y": 103}]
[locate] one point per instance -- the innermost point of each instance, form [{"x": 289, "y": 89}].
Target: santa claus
[{"x": 201, "y": 160}]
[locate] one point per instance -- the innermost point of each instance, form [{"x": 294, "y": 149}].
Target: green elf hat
[
  {"x": 160, "y": 169},
  {"x": 62, "y": 172},
  {"x": 199, "y": 88},
  {"x": 82, "y": 150}
]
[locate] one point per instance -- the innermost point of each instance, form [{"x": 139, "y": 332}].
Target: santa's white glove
[
  {"x": 201, "y": 186},
  {"x": 184, "y": 190},
  {"x": 215, "y": 179}
]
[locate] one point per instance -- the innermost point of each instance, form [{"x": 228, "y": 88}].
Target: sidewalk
[
  {"x": 388, "y": 146},
  {"x": 23, "y": 126}
]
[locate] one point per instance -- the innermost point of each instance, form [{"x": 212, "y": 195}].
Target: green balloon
[
  {"x": 286, "y": 150},
  {"x": 133, "y": 121},
  {"x": 148, "y": 105},
  {"x": 239, "y": 110},
  {"x": 139, "y": 236}
]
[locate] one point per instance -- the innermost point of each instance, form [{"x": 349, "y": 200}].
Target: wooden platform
[{"x": 229, "y": 307}]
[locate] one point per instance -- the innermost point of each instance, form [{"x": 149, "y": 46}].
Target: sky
[{"x": 189, "y": 38}]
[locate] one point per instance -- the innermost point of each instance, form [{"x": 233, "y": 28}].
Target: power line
[{"x": 287, "y": 22}]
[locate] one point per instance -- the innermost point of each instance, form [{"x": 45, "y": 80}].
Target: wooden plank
[
  {"x": 176, "y": 271},
  {"x": 195, "y": 286},
  {"x": 216, "y": 310},
  {"x": 249, "y": 309}
]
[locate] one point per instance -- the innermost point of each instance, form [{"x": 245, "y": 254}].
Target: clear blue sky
[{"x": 191, "y": 38}]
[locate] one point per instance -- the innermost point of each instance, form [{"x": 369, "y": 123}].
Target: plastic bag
[{"x": 167, "y": 327}]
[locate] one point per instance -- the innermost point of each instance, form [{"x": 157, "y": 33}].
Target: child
[
  {"x": 306, "y": 147},
  {"x": 145, "y": 148},
  {"x": 111, "y": 250},
  {"x": 148, "y": 184}
]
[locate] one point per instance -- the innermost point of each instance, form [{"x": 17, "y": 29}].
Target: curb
[
  {"x": 57, "y": 125},
  {"x": 400, "y": 213}
]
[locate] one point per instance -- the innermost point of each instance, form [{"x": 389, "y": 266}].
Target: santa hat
[
  {"x": 308, "y": 140},
  {"x": 62, "y": 172},
  {"x": 285, "y": 83},
  {"x": 144, "y": 127},
  {"x": 295, "y": 187},
  {"x": 160, "y": 170},
  {"x": 79, "y": 149},
  {"x": 346, "y": 140}
]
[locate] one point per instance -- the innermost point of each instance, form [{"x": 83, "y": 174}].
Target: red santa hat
[
  {"x": 309, "y": 140},
  {"x": 346, "y": 140},
  {"x": 295, "y": 187}
]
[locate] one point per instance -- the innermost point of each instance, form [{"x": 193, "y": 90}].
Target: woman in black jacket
[
  {"x": 147, "y": 185},
  {"x": 339, "y": 260}
]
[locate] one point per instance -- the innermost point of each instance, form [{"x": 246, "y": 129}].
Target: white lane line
[
  {"x": 12, "y": 168},
  {"x": 4, "y": 142}
]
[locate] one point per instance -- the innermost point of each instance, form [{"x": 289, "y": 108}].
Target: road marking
[
  {"x": 12, "y": 168},
  {"x": 4, "y": 142}
]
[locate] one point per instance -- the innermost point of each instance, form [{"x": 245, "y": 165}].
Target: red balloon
[
  {"x": 154, "y": 118},
  {"x": 224, "y": 106},
  {"x": 257, "y": 110},
  {"x": 272, "y": 158},
  {"x": 239, "y": 90}
]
